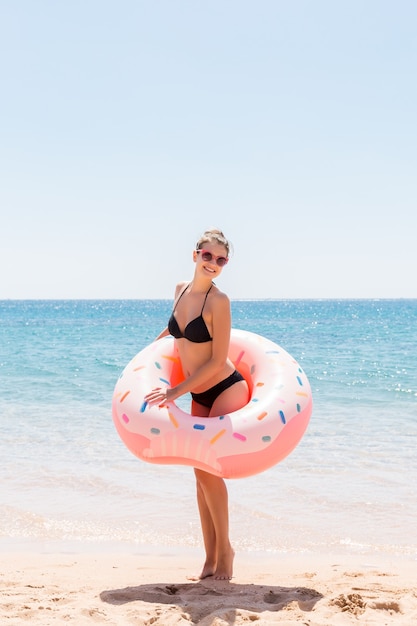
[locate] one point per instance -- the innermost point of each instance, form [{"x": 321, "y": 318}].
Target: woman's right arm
[{"x": 164, "y": 333}]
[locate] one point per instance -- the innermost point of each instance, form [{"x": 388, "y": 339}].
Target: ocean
[{"x": 67, "y": 482}]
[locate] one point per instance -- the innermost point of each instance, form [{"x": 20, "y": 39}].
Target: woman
[{"x": 201, "y": 325}]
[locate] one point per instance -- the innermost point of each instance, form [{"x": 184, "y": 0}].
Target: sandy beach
[{"x": 145, "y": 589}]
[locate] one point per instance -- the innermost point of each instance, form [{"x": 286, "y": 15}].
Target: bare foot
[
  {"x": 208, "y": 570},
  {"x": 224, "y": 569}
]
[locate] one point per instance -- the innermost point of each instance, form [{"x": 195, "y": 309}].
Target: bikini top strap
[
  {"x": 204, "y": 303},
  {"x": 180, "y": 296}
]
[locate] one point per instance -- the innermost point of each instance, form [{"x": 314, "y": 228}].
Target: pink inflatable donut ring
[{"x": 235, "y": 445}]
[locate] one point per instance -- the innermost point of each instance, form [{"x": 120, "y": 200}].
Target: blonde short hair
[{"x": 213, "y": 235}]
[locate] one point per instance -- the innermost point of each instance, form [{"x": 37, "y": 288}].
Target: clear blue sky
[{"x": 128, "y": 127}]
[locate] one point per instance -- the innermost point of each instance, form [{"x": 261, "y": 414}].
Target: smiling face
[
  {"x": 211, "y": 258},
  {"x": 211, "y": 253}
]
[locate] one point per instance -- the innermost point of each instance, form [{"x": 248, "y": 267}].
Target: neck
[{"x": 199, "y": 286}]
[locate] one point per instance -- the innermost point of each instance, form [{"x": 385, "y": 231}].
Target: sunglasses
[{"x": 208, "y": 257}]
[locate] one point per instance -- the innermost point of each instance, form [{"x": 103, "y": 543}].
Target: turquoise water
[{"x": 350, "y": 485}]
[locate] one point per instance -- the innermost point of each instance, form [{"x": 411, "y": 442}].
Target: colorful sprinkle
[
  {"x": 173, "y": 420},
  {"x": 143, "y": 407},
  {"x": 239, "y": 358},
  {"x": 266, "y": 438},
  {"x": 158, "y": 365},
  {"x": 262, "y": 415},
  {"x": 301, "y": 393},
  {"x": 140, "y": 367},
  {"x": 125, "y": 418},
  {"x": 199, "y": 427},
  {"x": 298, "y": 408},
  {"x": 216, "y": 437},
  {"x": 260, "y": 384},
  {"x": 155, "y": 431},
  {"x": 174, "y": 359},
  {"x": 282, "y": 416},
  {"x": 124, "y": 395},
  {"x": 300, "y": 382},
  {"x": 239, "y": 436},
  {"x": 163, "y": 380}
]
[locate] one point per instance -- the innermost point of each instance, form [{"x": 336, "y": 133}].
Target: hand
[{"x": 157, "y": 396}]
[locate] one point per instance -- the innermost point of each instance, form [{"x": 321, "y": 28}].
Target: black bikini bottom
[{"x": 207, "y": 398}]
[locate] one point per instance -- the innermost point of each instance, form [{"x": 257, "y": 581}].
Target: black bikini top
[{"x": 196, "y": 330}]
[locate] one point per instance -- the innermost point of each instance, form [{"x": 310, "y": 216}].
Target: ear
[{"x": 194, "y": 256}]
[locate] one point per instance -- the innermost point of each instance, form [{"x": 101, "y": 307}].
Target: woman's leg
[
  {"x": 206, "y": 521},
  {"x": 212, "y": 498}
]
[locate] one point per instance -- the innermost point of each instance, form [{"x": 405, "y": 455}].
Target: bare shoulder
[
  {"x": 220, "y": 299},
  {"x": 180, "y": 287}
]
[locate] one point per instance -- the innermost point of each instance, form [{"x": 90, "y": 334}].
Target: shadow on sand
[{"x": 204, "y": 600}]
